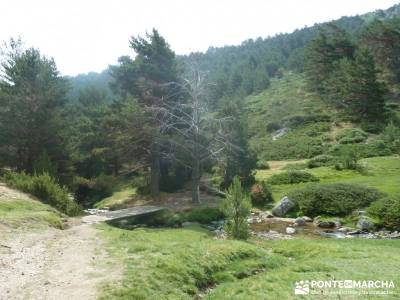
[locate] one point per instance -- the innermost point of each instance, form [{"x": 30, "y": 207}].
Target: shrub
[
  {"x": 142, "y": 185},
  {"x": 352, "y": 136},
  {"x": 236, "y": 207},
  {"x": 387, "y": 210},
  {"x": 298, "y": 120},
  {"x": 88, "y": 191},
  {"x": 45, "y": 188},
  {"x": 322, "y": 160},
  {"x": 203, "y": 215},
  {"x": 291, "y": 177},
  {"x": 375, "y": 148},
  {"x": 391, "y": 137},
  {"x": 263, "y": 165},
  {"x": 348, "y": 159},
  {"x": 261, "y": 195},
  {"x": 372, "y": 127},
  {"x": 333, "y": 199}
]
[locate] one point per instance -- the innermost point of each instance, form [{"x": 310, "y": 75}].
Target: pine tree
[
  {"x": 355, "y": 88},
  {"x": 236, "y": 208},
  {"x": 382, "y": 39},
  {"x": 148, "y": 77},
  {"x": 239, "y": 159},
  {"x": 32, "y": 96},
  {"x": 331, "y": 45}
]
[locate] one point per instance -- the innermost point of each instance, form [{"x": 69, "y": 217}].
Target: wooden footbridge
[{"x": 99, "y": 215}]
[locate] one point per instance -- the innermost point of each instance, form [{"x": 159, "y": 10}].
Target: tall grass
[{"x": 46, "y": 189}]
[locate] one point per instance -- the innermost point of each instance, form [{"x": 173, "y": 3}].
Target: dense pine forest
[{"x": 130, "y": 121}]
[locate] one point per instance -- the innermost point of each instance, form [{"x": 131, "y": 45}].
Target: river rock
[
  {"x": 393, "y": 235},
  {"x": 307, "y": 219},
  {"x": 338, "y": 224},
  {"x": 300, "y": 221},
  {"x": 325, "y": 224},
  {"x": 290, "y": 230},
  {"x": 344, "y": 229},
  {"x": 284, "y": 206}
]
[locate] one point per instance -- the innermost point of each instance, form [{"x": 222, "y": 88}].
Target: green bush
[
  {"x": 261, "y": 195},
  {"x": 263, "y": 165},
  {"x": 46, "y": 189},
  {"x": 391, "y": 137},
  {"x": 89, "y": 191},
  {"x": 142, "y": 184},
  {"x": 349, "y": 157},
  {"x": 375, "y": 148},
  {"x": 387, "y": 210},
  {"x": 372, "y": 127},
  {"x": 352, "y": 136},
  {"x": 299, "y": 120},
  {"x": 236, "y": 207},
  {"x": 291, "y": 177},
  {"x": 322, "y": 160},
  {"x": 203, "y": 215},
  {"x": 333, "y": 199}
]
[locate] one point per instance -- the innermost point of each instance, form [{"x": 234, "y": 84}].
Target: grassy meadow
[
  {"x": 189, "y": 263},
  {"x": 382, "y": 173}
]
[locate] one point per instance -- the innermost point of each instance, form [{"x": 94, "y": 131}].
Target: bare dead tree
[{"x": 194, "y": 130}]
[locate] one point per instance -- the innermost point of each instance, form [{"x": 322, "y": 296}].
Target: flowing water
[{"x": 279, "y": 225}]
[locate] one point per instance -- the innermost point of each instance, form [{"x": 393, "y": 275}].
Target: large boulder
[
  {"x": 326, "y": 224},
  {"x": 283, "y": 207},
  {"x": 365, "y": 224}
]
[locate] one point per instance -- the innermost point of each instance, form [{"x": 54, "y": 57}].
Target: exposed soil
[{"x": 53, "y": 264}]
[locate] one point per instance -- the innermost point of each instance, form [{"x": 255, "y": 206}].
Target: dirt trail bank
[{"x": 54, "y": 264}]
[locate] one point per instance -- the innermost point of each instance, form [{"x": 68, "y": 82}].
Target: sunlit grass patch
[{"x": 28, "y": 213}]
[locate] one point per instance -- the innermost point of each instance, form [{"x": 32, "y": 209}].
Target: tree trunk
[
  {"x": 155, "y": 170},
  {"x": 196, "y": 182}
]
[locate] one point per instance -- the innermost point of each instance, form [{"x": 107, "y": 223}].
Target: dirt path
[{"x": 55, "y": 264}]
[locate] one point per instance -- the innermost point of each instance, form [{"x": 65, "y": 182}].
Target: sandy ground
[{"x": 54, "y": 264}]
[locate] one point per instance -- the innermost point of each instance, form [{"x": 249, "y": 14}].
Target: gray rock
[
  {"x": 300, "y": 221},
  {"x": 326, "y": 224},
  {"x": 284, "y": 206},
  {"x": 337, "y": 223},
  {"x": 307, "y": 219},
  {"x": 280, "y": 133},
  {"x": 317, "y": 219},
  {"x": 393, "y": 235},
  {"x": 290, "y": 230},
  {"x": 365, "y": 224},
  {"x": 344, "y": 229}
]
